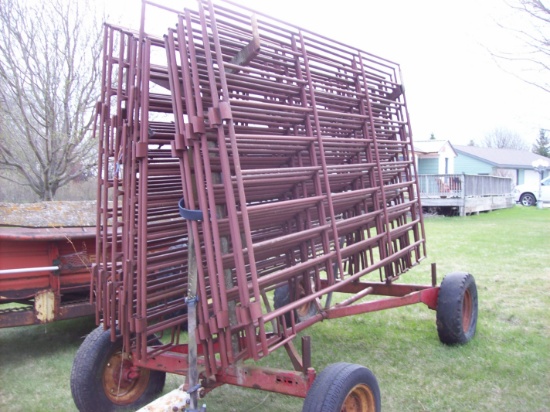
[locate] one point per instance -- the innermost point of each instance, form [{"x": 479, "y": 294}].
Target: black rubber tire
[
  {"x": 281, "y": 297},
  {"x": 528, "y": 199},
  {"x": 457, "y": 309},
  {"x": 340, "y": 382},
  {"x": 87, "y": 385}
]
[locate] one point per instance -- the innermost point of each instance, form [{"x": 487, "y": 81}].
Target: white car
[{"x": 528, "y": 194}]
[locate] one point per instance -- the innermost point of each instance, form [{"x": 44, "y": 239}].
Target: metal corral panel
[{"x": 295, "y": 152}]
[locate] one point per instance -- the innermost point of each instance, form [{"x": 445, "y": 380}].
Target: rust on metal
[{"x": 45, "y": 305}]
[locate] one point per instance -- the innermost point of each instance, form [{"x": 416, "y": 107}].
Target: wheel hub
[
  {"x": 360, "y": 398},
  {"x": 123, "y": 382},
  {"x": 467, "y": 308}
]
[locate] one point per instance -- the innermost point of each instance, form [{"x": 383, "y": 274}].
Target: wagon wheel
[
  {"x": 282, "y": 297},
  {"x": 103, "y": 378},
  {"x": 457, "y": 309},
  {"x": 344, "y": 387}
]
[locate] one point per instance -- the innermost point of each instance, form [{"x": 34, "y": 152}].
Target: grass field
[{"x": 505, "y": 367}]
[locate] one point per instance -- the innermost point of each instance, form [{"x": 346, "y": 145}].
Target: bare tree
[
  {"x": 532, "y": 64},
  {"x": 504, "y": 139},
  {"x": 49, "y": 61}
]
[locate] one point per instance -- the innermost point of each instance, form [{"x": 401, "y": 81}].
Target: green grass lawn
[{"x": 505, "y": 367}]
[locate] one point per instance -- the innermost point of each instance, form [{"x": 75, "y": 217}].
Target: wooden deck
[{"x": 468, "y": 193}]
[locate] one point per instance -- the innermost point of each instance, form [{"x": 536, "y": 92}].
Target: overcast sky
[{"x": 453, "y": 85}]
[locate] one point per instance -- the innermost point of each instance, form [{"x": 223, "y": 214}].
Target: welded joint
[
  {"x": 141, "y": 149},
  {"x": 179, "y": 142},
  {"x": 203, "y": 331},
  {"x": 225, "y": 111},
  {"x": 176, "y": 153},
  {"x": 255, "y": 309},
  {"x": 197, "y": 125},
  {"x": 222, "y": 319},
  {"x": 140, "y": 325},
  {"x": 214, "y": 116},
  {"x": 250, "y": 313}
]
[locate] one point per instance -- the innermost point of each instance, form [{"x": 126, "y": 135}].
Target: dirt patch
[{"x": 49, "y": 214}]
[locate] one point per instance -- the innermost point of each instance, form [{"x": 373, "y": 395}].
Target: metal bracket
[{"x": 248, "y": 52}]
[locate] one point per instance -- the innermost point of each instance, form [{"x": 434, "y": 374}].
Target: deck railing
[{"x": 462, "y": 185}]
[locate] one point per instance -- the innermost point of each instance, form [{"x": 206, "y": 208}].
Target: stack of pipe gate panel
[
  {"x": 295, "y": 148},
  {"x": 140, "y": 273}
]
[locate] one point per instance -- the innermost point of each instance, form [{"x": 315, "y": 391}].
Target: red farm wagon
[{"x": 45, "y": 274}]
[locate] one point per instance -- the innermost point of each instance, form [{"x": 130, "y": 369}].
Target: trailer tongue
[{"x": 255, "y": 179}]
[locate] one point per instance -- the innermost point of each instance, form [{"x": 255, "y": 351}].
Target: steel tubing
[{"x": 299, "y": 156}]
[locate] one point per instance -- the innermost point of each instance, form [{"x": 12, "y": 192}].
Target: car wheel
[{"x": 528, "y": 199}]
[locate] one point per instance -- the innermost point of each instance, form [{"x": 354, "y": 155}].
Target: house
[
  {"x": 516, "y": 164},
  {"x": 470, "y": 179},
  {"x": 434, "y": 157},
  {"x": 442, "y": 157}
]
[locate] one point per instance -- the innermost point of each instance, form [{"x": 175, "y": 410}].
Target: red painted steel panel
[
  {"x": 72, "y": 250},
  {"x": 296, "y": 150}
]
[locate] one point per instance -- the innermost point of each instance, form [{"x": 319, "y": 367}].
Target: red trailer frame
[
  {"x": 289, "y": 157},
  {"x": 47, "y": 271}
]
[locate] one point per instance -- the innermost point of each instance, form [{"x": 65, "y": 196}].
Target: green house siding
[
  {"x": 471, "y": 166},
  {"x": 428, "y": 166}
]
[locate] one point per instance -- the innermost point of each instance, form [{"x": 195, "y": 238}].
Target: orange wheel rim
[
  {"x": 122, "y": 382},
  {"x": 360, "y": 398},
  {"x": 304, "y": 310},
  {"x": 466, "y": 311}
]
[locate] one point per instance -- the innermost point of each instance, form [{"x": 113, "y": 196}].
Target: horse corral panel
[
  {"x": 251, "y": 172},
  {"x": 295, "y": 148}
]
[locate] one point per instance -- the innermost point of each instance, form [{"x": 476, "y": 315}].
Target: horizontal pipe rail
[{"x": 29, "y": 270}]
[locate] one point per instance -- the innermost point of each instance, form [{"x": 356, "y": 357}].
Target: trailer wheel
[
  {"x": 344, "y": 387},
  {"x": 281, "y": 298},
  {"x": 104, "y": 379},
  {"x": 457, "y": 309}
]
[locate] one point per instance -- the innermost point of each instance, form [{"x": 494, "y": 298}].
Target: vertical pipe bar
[{"x": 193, "y": 373}]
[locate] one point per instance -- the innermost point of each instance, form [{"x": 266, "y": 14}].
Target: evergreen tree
[{"x": 542, "y": 144}]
